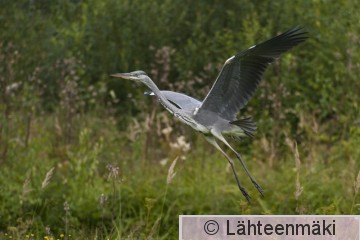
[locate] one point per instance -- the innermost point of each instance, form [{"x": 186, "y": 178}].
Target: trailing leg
[
  {"x": 221, "y": 138},
  {"x": 213, "y": 142}
]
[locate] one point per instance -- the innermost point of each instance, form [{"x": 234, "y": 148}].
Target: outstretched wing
[
  {"x": 241, "y": 74},
  {"x": 180, "y": 100}
]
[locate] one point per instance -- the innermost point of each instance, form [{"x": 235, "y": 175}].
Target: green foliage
[{"x": 85, "y": 155}]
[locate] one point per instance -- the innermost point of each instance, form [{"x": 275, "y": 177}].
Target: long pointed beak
[{"x": 121, "y": 75}]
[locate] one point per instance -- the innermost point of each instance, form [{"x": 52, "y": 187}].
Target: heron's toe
[
  {"x": 246, "y": 195},
  {"x": 261, "y": 191}
]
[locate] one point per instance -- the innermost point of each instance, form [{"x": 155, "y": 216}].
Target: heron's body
[
  {"x": 188, "y": 108},
  {"x": 215, "y": 116}
]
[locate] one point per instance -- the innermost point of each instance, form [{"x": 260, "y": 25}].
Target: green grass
[{"x": 136, "y": 201}]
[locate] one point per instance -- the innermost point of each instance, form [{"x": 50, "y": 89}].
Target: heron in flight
[{"x": 215, "y": 116}]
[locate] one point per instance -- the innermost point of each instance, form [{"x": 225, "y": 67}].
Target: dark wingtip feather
[
  {"x": 296, "y": 35},
  {"x": 272, "y": 49}
]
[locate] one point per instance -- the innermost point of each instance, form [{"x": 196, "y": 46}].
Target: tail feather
[{"x": 247, "y": 125}]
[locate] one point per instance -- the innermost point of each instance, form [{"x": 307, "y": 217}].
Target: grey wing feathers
[
  {"x": 241, "y": 74},
  {"x": 180, "y": 100}
]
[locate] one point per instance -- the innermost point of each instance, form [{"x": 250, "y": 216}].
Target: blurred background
[{"x": 84, "y": 156}]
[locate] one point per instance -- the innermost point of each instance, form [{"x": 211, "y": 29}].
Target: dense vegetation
[{"x": 86, "y": 156}]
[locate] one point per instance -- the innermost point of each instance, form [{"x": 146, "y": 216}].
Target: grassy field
[
  {"x": 85, "y": 156},
  {"x": 85, "y": 178}
]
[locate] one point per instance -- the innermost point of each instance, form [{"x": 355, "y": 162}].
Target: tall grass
[{"x": 72, "y": 190}]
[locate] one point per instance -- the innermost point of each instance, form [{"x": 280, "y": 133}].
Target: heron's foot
[
  {"x": 244, "y": 192},
  {"x": 260, "y": 190}
]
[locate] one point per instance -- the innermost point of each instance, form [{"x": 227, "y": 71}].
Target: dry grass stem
[
  {"x": 293, "y": 146},
  {"x": 357, "y": 184},
  {"x": 171, "y": 173},
  {"x": 113, "y": 172},
  {"x": 48, "y": 177},
  {"x": 102, "y": 200},
  {"x": 26, "y": 187},
  {"x": 154, "y": 228},
  {"x": 356, "y": 191}
]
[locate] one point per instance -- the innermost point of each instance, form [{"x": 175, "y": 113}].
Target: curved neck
[{"x": 170, "y": 107}]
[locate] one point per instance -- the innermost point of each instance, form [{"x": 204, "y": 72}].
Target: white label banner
[{"x": 273, "y": 227}]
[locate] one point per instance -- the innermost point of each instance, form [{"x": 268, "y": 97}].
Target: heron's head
[{"x": 135, "y": 76}]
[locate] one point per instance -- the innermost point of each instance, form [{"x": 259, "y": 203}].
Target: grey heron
[{"x": 215, "y": 116}]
